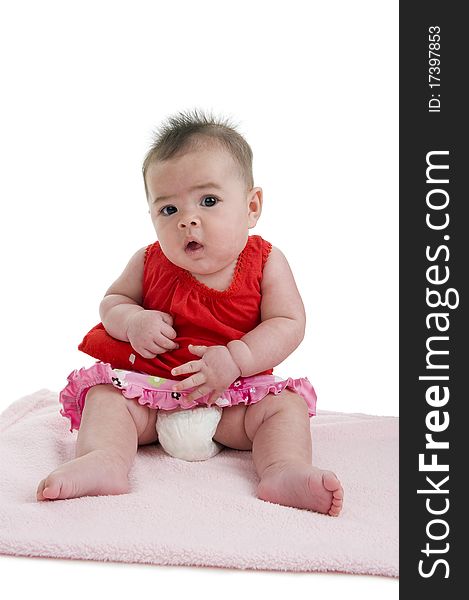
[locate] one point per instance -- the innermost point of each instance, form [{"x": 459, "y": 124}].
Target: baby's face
[{"x": 201, "y": 209}]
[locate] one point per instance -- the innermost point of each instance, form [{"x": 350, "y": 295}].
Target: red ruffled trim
[
  {"x": 147, "y": 252},
  {"x": 245, "y": 259},
  {"x": 208, "y": 291},
  {"x": 266, "y": 249}
]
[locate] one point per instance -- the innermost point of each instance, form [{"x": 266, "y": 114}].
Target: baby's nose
[{"x": 191, "y": 221}]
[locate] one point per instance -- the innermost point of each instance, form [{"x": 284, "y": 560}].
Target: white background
[{"x": 313, "y": 86}]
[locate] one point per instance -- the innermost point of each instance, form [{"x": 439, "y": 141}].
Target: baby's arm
[
  {"x": 124, "y": 298},
  {"x": 150, "y": 332},
  {"x": 283, "y": 321}
]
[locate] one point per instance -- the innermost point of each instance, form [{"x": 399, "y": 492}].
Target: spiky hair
[{"x": 190, "y": 129}]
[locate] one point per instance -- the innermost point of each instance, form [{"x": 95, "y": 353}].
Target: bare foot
[
  {"x": 94, "y": 474},
  {"x": 303, "y": 486}
]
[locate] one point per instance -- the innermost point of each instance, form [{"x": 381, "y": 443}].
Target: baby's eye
[
  {"x": 168, "y": 210},
  {"x": 209, "y": 201}
]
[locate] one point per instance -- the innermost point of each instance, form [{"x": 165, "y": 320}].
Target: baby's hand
[
  {"x": 214, "y": 372},
  {"x": 150, "y": 333}
]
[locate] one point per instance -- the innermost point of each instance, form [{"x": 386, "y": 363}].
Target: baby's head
[{"x": 199, "y": 186}]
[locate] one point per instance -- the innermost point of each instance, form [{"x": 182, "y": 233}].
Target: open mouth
[{"x": 193, "y": 247}]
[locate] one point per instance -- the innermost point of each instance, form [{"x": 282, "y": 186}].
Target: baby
[{"x": 193, "y": 328}]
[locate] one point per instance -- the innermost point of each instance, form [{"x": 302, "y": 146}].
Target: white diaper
[{"x": 187, "y": 434}]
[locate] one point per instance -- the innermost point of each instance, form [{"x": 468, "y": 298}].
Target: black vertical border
[{"x": 421, "y": 132}]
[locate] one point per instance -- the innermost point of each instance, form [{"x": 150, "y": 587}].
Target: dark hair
[{"x": 187, "y": 130}]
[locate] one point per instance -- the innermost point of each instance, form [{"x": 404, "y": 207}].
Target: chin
[{"x": 193, "y": 264}]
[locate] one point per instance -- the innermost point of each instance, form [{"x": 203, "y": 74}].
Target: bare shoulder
[
  {"x": 130, "y": 281},
  {"x": 280, "y": 295},
  {"x": 275, "y": 266}
]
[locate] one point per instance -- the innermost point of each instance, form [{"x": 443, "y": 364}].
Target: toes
[
  {"x": 49, "y": 489},
  {"x": 52, "y": 492},
  {"x": 40, "y": 489},
  {"x": 336, "y": 506},
  {"x": 339, "y": 493},
  {"x": 331, "y": 483}
]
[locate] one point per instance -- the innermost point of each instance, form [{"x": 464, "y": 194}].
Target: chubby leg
[
  {"x": 279, "y": 432},
  {"x": 110, "y": 431}
]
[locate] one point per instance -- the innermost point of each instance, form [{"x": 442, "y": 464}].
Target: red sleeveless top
[{"x": 201, "y": 315}]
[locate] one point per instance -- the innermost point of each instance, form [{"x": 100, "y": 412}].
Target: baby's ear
[{"x": 254, "y": 205}]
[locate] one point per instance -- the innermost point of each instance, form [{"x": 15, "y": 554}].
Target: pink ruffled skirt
[{"x": 157, "y": 393}]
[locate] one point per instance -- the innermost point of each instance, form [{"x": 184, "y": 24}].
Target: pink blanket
[{"x": 205, "y": 513}]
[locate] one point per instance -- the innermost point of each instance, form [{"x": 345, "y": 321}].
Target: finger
[
  {"x": 197, "y": 350},
  {"x": 190, "y": 367},
  {"x": 146, "y": 354},
  {"x": 217, "y": 394},
  {"x": 154, "y": 349},
  {"x": 213, "y": 398},
  {"x": 166, "y": 343},
  {"x": 198, "y": 393},
  {"x": 167, "y": 318},
  {"x": 192, "y": 381},
  {"x": 168, "y": 331}
]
